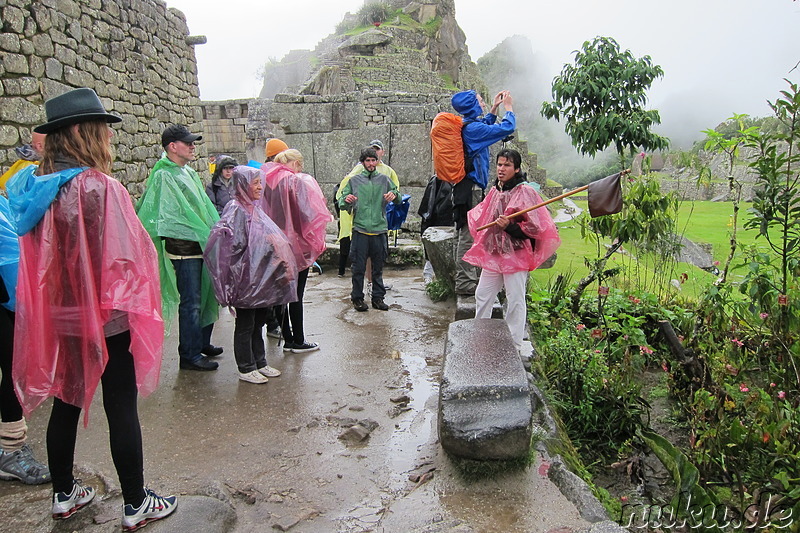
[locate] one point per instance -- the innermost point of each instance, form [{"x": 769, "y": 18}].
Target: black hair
[
  {"x": 510, "y": 155},
  {"x": 368, "y": 152}
]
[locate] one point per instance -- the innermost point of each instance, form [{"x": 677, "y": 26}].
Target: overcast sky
[{"x": 718, "y": 56}]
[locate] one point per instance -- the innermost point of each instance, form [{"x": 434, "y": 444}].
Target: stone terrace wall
[
  {"x": 134, "y": 53},
  {"x": 330, "y": 131}
]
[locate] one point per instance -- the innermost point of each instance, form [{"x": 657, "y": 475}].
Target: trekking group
[{"x": 89, "y": 280}]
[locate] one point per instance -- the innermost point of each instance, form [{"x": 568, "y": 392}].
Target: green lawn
[{"x": 699, "y": 221}]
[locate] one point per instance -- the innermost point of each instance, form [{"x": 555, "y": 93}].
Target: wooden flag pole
[{"x": 550, "y": 201}]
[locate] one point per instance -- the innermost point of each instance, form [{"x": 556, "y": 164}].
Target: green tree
[{"x": 602, "y": 96}]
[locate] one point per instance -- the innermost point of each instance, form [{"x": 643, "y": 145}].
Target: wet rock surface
[
  {"x": 244, "y": 458},
  {"x": 484, "y": 398}
]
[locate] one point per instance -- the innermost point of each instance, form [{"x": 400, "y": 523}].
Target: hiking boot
[
  {"x": 360, "y": 305},
  {"x": 305, "y": 347},
  {"x": 269, "y": 371},
  {"x": 378, "y": 303},
  {"x": 154, "y": 507},
  {"x": 253, "y": 377},
  {"x": 23, "y": 466},
  {"x": 65, "y": 505},
  {"x": 275, "y": 333}
]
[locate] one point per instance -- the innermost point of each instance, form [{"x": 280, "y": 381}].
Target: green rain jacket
[
  {"x": 175, "y": 205},
  {"x": 369, "y": 211}
]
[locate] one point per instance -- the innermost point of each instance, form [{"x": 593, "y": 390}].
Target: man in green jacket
[
  {"x": 177, "y": 213},
  {"x": 365, "y": 196}
]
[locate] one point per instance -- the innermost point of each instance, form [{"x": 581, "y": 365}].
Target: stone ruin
[
  {"x": 149, "y": 78},
  {"x": 385, "y": 82}
]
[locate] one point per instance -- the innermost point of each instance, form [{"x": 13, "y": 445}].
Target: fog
[{"x": 719, "y": 56}]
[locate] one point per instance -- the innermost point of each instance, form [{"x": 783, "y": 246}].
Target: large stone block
[
  {"x": 405, "y": 114},
  {"x": 338, "y": 151},
  {"x": 485, "y": 403},
  {"x": 439, "y": 244},
  {"x": 303, "y": 118},
  {"x": 409, "y": 146}
]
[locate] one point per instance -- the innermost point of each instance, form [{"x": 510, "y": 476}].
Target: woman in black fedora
[{"x": 88, "y": 302}]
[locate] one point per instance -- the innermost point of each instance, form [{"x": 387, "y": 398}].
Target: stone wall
[
  {"x": 136, "y": 54},
  {"x": 331, "y": 130}
]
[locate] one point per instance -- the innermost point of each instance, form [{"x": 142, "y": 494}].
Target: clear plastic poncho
[
  {"x": 497, "y": 251},
  {"x": 249, "y": 258},
  {"x": 296, "y": 204},
  {"x": 86, "y": 258},
  {"x": 175, "y": 205}
]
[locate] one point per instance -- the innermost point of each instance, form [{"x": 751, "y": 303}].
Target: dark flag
[{"x": 605, "y": 196}]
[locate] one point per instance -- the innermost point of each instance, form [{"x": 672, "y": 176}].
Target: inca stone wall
[
  {"x": 331, "y": 130},
  {"x": 136, "y": 54}
]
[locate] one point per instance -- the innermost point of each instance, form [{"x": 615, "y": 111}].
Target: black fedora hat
[{"x": 78, "y": 105}]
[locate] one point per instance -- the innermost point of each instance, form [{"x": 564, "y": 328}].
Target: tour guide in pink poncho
[
  {"x": 513, "y": 247},
  {"x": 88, "y": 302}
]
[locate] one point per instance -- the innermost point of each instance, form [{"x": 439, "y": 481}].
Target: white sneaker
[
  {"x": 253, "y": 377},
  {"x": 269, "y": 371},
  {"x": 65, "y": 505}
]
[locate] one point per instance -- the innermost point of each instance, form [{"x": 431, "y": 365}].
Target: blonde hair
[
  {"x": 287, "y": 156},
  {"x": 90, "y": 146}
]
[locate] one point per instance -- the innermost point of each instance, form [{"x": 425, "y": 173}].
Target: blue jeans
[{"x": 192, "y": 338}]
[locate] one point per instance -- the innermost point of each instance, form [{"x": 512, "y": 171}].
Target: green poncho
[{"x": 175, "y": 205}]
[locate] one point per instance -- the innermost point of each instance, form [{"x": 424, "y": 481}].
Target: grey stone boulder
[
  {"x": 465, "y": 307},
  {"x": 439, "y": 244},
  {"x": 484, "y": 400}
]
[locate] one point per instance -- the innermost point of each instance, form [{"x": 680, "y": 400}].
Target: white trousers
[{"x": 516, "y": 284}]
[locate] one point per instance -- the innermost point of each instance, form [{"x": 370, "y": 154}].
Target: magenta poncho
[
  {"x": 494, "y": 249},
  {"x": 296, "y": 204},
  {"x": 86, "y": 257},
  {"x": 249, "y": 258}
]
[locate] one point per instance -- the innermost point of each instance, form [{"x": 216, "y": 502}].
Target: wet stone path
[{"x": 283, "y": 456}]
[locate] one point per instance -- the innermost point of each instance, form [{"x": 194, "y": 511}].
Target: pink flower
[
  {"x": 602, "y": 291},
  {"x": 743, "y": 387},
  {"x": 642, "y": 154},
  {"x": 664, "y": 366},
  {"x": 772, "y": 385},
  {"x": 763, "y": 315},
  {"x": 716, "y": 263},
  {"x": 737, "y": 342},
  {"x": 645, "y": 349},
  {"x": 623, "y": 499},
  {"x": 580, "y": 327},
  {"x": 781, "y": 394}
]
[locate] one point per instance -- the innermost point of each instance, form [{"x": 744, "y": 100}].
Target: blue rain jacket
[
  {"x": 9, "y": 253},
  {"x": 480, "y": 133}
]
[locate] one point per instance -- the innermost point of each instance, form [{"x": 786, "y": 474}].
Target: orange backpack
[{"x": 448, "y": 147}]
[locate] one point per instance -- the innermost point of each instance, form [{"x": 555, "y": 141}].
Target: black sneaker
[
  {"x": 201, "y": 364},
  {"x": 360, "y": 305},
  {"x": 212, "y": 351}
]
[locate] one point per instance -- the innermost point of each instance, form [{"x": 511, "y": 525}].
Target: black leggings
[
  {"x": 125, "y": 433},
  {"x": 292, "y": 326},
  {"x": 10, "y": 409}
]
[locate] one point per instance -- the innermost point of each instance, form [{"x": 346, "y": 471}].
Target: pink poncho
[
  {"x": 494, "y": 249},
  {"x": 297, "y": 206},
  {"x": 88, "y": 256}
]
